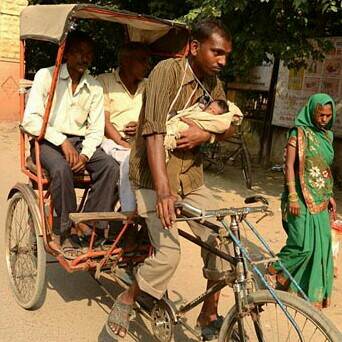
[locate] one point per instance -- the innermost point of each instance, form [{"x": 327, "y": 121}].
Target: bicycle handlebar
[
  {"x": 220, "y": 213},
  {"x": 254, "y": 199}
]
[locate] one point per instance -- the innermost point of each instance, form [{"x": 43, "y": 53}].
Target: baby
[{"x": 215, "y": 118}]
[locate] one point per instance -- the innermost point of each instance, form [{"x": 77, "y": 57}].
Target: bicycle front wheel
[{"x": 265, "y": 321}]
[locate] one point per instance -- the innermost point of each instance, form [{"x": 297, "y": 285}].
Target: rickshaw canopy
[{"x": 52, "y": 23}]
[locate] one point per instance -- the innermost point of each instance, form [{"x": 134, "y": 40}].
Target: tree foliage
[{"x": 290, "y": 30}]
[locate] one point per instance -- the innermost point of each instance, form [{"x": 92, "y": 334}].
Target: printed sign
[{"x": 294, "y": 87}]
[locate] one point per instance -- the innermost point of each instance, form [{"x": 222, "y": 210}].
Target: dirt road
[{"x": 74, "y": 308}]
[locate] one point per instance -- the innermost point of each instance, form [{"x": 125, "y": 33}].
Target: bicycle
[
  {"x": 29, "y": 224},
  {"x": 213, "y": 154},
  {"x": 257, "y": 314}
]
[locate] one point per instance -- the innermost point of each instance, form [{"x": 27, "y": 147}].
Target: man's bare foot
[{"x": 119, "y": 318}]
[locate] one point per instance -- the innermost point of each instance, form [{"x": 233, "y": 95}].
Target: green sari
[{"x": 307, "y": 254}]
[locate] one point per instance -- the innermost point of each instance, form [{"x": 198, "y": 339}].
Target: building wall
[{"x": 9, "y": 58}]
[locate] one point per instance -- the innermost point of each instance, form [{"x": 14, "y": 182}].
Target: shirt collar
[
  {"x": 189, "y": 77},
  {"x": 64, "y": 74},
  {"x": 117, "y": 75},
  {"x": 118, "y": 79}
]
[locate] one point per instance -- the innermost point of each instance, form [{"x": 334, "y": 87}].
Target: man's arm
[
  {"x": 225, "y": 135},
  {"x": 192, "y": 137},
  {"x": 156, "y": 106},
  {"x": 195, "y": 136},
  {"x": 112, "y": 133},
  {"x": 96, "y": 121},
  {"x": 156, "y": 160},
  {"x": 35, "y": 108}
]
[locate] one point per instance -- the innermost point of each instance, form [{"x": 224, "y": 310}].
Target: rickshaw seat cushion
[{"x": 80, "y": 179}]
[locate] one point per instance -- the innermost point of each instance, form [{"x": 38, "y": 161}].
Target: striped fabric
[{"x": 184, "y": 167}]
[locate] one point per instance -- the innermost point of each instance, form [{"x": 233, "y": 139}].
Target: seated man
[
  {"x": 73, "y": 136},
  {"x": 123, "y": 92}
]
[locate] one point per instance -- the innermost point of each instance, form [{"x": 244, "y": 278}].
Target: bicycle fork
[{"x": 240, "y": 289}]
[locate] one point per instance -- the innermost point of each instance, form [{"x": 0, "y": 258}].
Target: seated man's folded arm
[{"x": 96, "y": 122}]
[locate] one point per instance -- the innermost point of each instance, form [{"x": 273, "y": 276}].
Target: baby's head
[{"x": 217, "y": 107}]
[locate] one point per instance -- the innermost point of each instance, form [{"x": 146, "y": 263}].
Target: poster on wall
[{"x": 294, "y": 87}]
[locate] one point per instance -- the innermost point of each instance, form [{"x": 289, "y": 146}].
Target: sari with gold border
[{"x": 308, "y": 251}]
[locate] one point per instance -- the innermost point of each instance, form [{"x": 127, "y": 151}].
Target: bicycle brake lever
[
  {"x": 261, "y": 218},
  {"x": 267, "y": 213}
]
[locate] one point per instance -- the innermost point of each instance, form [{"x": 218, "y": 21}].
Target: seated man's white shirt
[
  {"x": 80, "y": 114},
  {"x": 119, "y": 102}
]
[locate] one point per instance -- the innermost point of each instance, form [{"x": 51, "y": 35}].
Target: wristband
[
  {"x": 293, "y": 200},
  {"x": 291, "y": 183},
  {"x": 292, "y": 193}
]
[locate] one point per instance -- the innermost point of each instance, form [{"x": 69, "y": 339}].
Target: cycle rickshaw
[{"x": 29, "y": 234}]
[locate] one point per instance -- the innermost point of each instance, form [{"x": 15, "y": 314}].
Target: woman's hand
[
  {"x": 294, "y": 208},
  {"x": 332, "y": 208}
]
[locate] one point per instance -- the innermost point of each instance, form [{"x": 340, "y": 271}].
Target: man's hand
[
  {"x": 166, "y": 209},
  {"x": 80, "y": 166},
  {"x": 192, "y": 137},
  {"x": 131, "y": 128},
  {"x": 125, "y": 143},
  {"x": 70, "y": 153}
]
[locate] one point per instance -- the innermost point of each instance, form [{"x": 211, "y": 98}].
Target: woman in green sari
[{"x": 308, "y": 203}]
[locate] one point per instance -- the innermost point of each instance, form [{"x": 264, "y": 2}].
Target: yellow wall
[{"x": 9, "y": 57}]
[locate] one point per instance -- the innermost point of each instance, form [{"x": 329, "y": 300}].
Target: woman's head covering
[{"x": 307, "y": 114}]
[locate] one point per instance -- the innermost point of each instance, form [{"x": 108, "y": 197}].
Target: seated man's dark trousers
[{"x": 104, "y": 174}]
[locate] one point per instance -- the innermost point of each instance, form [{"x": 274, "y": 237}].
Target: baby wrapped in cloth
[{"x": 215, "y": 118}]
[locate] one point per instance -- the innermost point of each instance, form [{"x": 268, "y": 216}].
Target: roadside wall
[{"x": 9, "y": 58}]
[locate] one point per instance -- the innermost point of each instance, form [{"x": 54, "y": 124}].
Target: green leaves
[
  {"x": 291, "y": 30},
  {"x": 279, "y": 27}
]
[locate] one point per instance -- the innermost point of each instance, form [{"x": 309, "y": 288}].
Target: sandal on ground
[
  {"x": 121, "y": 315},
  {"x": 72, "y": 247},
  {"x": 277, "y": 281},
  {"x": 271, "y": 276},
  {"x": 271, "y": 280},
  {"x": 211, "y": 331}
]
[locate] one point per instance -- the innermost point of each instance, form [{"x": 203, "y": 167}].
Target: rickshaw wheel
[
  {"x": 162, "y": 321},
  {"x": 24, "y": 249}
]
